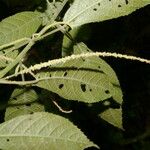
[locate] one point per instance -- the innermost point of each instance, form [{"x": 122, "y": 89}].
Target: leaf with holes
[
  {"x": 41, "y": 131},
  {"x": 17, "y": 110},
  {"x": 113, "y": 116},
  {"x": 23, "y": 96},
  {"x": 86, "y": 79},
  {"x": 83, "y": 12},
  {"x": 21, "y": 25}
]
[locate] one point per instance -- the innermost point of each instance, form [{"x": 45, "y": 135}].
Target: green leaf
[
  {"x": 113, "y": 116},
  {"x": 86, "y": 79},
  {"x": 22, "y": 101},
  {"x": 21, "y": 25},
  {"x": 9, "y": 54},
  {"x": 41, "y": 131},
  {"x": 18, "y": 110},
  {"x": 52, "y": 11},
  {"x": 80, "y": 48},
  {"x": 22, "y": 96},
  {"x": 77, "y": 35},
  {"x": 83, "y": 12}
]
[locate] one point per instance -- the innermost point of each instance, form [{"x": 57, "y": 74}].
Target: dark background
[{"x": 127, "y": 35}]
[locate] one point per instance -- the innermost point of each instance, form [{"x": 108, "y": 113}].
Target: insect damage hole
[
  {"x": 65, "y": 74},
  {"x": 28, "y": 105},
  {"x": 14, "y": 98},
  {"x": 95, "y": 9},
  {"x": 127, "y": 2},
  {"x": 107, "y": 92},
  {"x": 7, "y": 140},
  {"x": 61, "y": 86},
  {"x": 83, "y": 87}
]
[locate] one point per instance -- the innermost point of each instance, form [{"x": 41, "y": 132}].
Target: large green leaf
[
  {"x": 86, "y": 11},
  {"x": 86, "y": 79},
  {"x": 19, "y": 26},
  {"x": 41, "y": 131}
]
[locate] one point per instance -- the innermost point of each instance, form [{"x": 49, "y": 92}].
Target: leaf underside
[
  {"x": 83, "y": 12},
  {"x": 84, "y": 79},
  {"x": 41, "y": 131},
  {"x": 21, "y": 25}
]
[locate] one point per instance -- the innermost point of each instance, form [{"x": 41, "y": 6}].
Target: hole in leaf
[
  {"x": 65, "y": 74},
  {"x": 61, "y": 86},
  {"x": 107, "y": 92},
  {"x": 31, "y": 112},
  {"x": 83, "y": 87},
  {"x": 28, "y": 104},
  {"x": 127, "y": 2},
  {"x": 3, "y": 52},
  {"x": 14, "y": 98},
  {"x": 8, "y": 140},
  {"x": 99, "y": 4},
  {"x": 90, "y": 90},
  {"x": 95, "y": 9},
  {"x": 83, "y": 59},
  {"x": 119, "y": 5}
]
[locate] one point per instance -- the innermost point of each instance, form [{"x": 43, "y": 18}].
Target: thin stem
[
  {"x": 17, "y": 60},
  {"x": 58, "y": 12},
  {"x": 14, "y": 42},
  {"x": 46, "y": 28},
  {"x": 60, "y": 109}
]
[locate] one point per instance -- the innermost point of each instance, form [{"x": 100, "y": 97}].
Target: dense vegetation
[{"x": 74, "y": 74}]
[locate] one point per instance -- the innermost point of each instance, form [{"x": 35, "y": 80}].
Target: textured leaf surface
[
  {"x": 83, "y": 79},
  {"x": 80, "y": 48},
  {"x": 113, "y": 116},
  {"x": 82, "y": 12},
  {"x": 11, "y": 55},
  {"x": 23, "y": 95},
  {"x": 19, "y": 26},
  {"x": 22, "y": 101},
  {"x": 52, "y": 11},
  {"x": 29, "y": 108},
  {"x": 41, "y": 131}
]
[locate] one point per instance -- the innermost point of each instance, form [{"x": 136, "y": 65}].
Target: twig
[{"x": 62, "y": 110}]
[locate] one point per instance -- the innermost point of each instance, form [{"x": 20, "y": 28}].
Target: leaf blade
[
  {"x": 20, "y": 25},
  {"x": 41, "y": 130},
  {"x": 82, "y": 12},
  {"x": 84, "y": 79}
]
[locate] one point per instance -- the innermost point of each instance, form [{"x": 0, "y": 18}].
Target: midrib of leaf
[
  {"x": 66, "y": 78},
  {"x": 84, "y": 10},
  {"x": 33, "y": 136}
]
